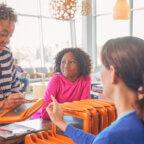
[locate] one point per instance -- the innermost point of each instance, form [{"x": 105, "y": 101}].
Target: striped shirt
[{"x": 8, "y": 81}]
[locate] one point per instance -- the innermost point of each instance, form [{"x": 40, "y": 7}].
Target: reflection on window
[
  {"x": 25, "y": 41},
  {"x": 56, "y": 36},
  {"x": 138, "y": 3},
  {"x": 105, "y": 6},
  {"x": 138, "y": 23},
  {"x": 78, "y": 25},
  {"x": 36, "y": 40},
  {"x": 108, "y": 28},
  {"x": 24, "y": 6}
]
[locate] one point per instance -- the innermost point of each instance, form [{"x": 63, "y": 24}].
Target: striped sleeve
[
  {"x": 8, "y": 79},
  {"x": 15, "y": 82}
]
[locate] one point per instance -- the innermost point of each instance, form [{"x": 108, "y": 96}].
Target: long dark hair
[{"x": 126, "y": 54}]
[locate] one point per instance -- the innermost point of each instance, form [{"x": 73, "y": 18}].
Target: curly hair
[
  {"x": 7, "y": 13},
  {"x": 83, "y": 59}
]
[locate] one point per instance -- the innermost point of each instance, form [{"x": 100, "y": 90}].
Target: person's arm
[
  {"x": 1, "y": 104},
  {"x": 86, "y": 88},
  {"x": 77, "y": 135},
  {"x": 12, "y": 101},
  {"x": 15, "y": 82},
  {"x": 51, "y": 90}
]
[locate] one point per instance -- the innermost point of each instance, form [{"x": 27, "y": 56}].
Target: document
[{"x": 14, "y": 129}]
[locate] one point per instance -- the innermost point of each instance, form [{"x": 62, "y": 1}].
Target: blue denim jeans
[{"x": 25, "y": 83}]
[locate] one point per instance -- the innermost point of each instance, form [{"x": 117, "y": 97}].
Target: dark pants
[{"x": 25, "y": 83}]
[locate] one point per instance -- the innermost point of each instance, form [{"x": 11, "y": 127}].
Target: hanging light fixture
[
  {"x": 63, "y": 9},
  {"x": 67, "y": 9},
  {"x": 121, "y": 10},
  {"x": 86, "y": 7}
]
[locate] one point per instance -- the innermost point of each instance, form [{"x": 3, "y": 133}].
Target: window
[
  {"x": 37, "y": 37},
  {"x": 138, "y": 3},
  {"x": 24, "y": 6},
  {"x": 106, "y": 26},
  {"x": 25, "y": 41},
  {"x": 138, "y": 18},
  {"x": 56, "y": 36}
]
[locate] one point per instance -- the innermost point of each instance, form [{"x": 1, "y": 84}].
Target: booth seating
[{"x": 37, "y": 74}]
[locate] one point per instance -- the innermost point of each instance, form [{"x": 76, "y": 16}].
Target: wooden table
[{"x": 37, "y": 124}]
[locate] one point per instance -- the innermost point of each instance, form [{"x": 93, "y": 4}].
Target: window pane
[
  {"x": 24, "y": 6},
  {"x": 104, "y": 6},
  {"x": 25, "y": 41},
  {"x": 138, "y": 3},
  {"x": 138, "y": 23},
  {"x": 78, "y": 25},
  {"x": 45, "y": 7},
  {"x": 56, "y": 36},
  {"x": 108, "y": 28}
]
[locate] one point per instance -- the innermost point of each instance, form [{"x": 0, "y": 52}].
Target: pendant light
[{"x": 121, "y": 10}]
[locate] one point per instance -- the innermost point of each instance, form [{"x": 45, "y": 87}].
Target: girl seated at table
[{"x": 71, "y": 80}]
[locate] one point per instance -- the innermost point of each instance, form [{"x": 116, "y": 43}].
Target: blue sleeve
[
  {"x": 79, "y": 136},
  {"x": 104, "y": 137}
]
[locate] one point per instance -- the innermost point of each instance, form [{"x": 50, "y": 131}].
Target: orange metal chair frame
[
  {"x": 101, "y": 110},
  {"x": 109, "y": 106},
  {"x": 74, "y": 110},
  {"x": 94, "y": 116}
]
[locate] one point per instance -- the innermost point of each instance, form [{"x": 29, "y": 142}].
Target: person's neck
[
  {"x": 124, "y": 100},
  {"x": 72, "y": 79}
]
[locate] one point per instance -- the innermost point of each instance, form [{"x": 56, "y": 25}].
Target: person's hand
[
  {"x": 56, "y": 114},
  {"x": 13, "y": 100}
]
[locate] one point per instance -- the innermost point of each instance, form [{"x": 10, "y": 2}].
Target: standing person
[
  {"x": 9, "y": 86},
  {"x": 21, "y": 75},
  {"x": 123, "y": 81},
  {"x": 71, "y": 80}
]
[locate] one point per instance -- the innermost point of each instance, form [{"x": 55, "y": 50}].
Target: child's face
[
  {"x": 69, "y": 66},
  {"x": 6, "y": 31}
]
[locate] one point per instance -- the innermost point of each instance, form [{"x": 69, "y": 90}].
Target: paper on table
[{"x": 14, "y": 130}]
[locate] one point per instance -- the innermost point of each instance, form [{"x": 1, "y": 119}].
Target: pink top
[{"x": 64, "y": 91}]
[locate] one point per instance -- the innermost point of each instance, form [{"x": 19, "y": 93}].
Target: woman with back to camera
[
  {"x": 71, "y": 80},
  {"x": 122, "y": 76}
]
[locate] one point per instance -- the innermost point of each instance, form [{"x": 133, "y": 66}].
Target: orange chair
[
  {"x": 60, "y": 139},
  {"x": 94, "y": 116},
  {"x": 74, "y": 110},
  {"x": 111, "y": 110},
  {"x": 102, "y": 113},
  {"x": 47, "y": 137},
  {"x": 111, "y": 103},
  {"x": 33, "y": 139},
  {"x": 24, "y": 115}
]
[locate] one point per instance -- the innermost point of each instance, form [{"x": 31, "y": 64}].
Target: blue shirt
[{"x": 128, "y": 129}]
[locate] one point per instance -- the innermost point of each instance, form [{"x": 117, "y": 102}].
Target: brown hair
[
  {"x": 7, "y": 13},
  {"x": 126, "y": 54}
]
